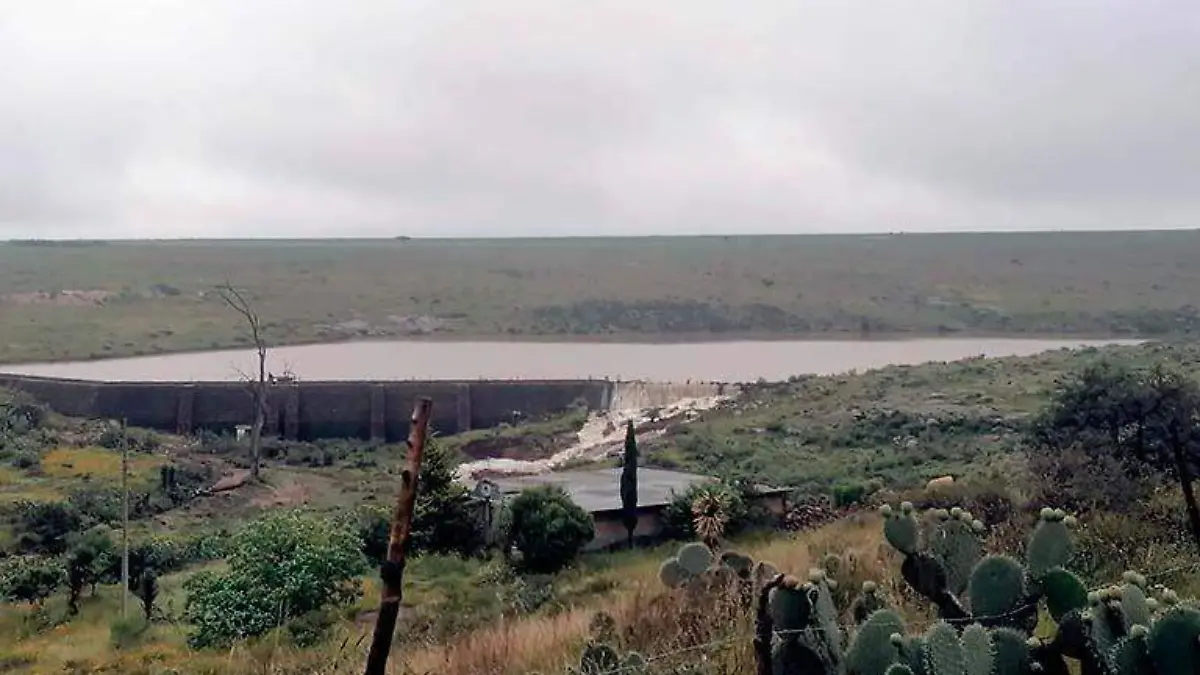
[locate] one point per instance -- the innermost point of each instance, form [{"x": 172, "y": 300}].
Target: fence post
[{"x": 392, "y": 572}]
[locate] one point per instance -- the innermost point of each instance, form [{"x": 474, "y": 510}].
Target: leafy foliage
[
  {"x": 29, "y": 578},
  {"x": 92, "y": 557},
  {"x": 629, "y": 482},
  {"x": 43, "y": 527},
  {"x": 548, "y": 528},
  {"x": 283, "y": 565},
  {"x": 444, "y": 517}
]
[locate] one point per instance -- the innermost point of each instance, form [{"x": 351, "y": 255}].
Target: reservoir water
[{"x": 659, "y": 362}]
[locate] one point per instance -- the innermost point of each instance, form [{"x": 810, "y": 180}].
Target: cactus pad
[
  {"x": 997, "y": 586},
  {"x": 871, "y": 651},
  {"x": 898, "y": 669},
  {"x": 695, "y": 558},
  {"x": 1135, "y": 605},
  {"x": 1063, "y": 591},
  {"x": 902, "y": 531},
  {"x": 1050, "y": 545},
  {"x": 741, "y": 565},
  {"x": 956, "y": 545},
  {"x": 944, "y": 652},
  {"x": 977, "y": 646},
  {"x": 1010, "y": 653},
  {"x": 790, "y": 607},
  {"x": 1175, "y": 642},
  {"x": 672, "y": 574}
]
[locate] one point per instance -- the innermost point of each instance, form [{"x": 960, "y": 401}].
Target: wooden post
[
  {"x": 124, "y": 519},
  {"x": 392, "y": 572}
]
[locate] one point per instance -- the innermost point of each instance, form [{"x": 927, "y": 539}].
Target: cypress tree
[{"x": 629, "y": 484}]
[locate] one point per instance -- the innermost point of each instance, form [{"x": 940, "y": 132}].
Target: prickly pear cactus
[
  {"x": 695, "y": 558},
  {"x": 944, "y": 653},
  {"x": 1064, "y": 592},
  {"x": 1175, "y": 642},
  {"x": 1010, "y": 653},
  {"x": 977, "y": 646},
  {"x": 954, "y": 540},
  {"x": 1135, "y": 606},
  {"x": 997, "y": 586},
  {"x": 872, "y": 651},
  {"x": 1050, "y": 545},
  {"x": 791, "y": 606},
  {"x": 901, "y": 528},
  {"x": 868, "y": 602}
]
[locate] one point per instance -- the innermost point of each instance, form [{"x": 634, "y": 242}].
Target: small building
[{"x": 598, "y": 491}]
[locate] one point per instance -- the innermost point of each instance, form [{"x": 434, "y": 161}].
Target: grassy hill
[{"x": 95, "y": 299}]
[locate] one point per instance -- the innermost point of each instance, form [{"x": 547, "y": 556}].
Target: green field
[{"x": 96, "y": 299}]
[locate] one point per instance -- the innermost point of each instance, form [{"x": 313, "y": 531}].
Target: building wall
[
  {"x": 309, "y": 410},
  {"x": 610, "y": 529}
]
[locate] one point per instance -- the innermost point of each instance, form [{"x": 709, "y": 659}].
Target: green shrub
[
  {"x": 140, "y": 440},
  {"x": 43, "y": 527},
  {"x": 679, "y": 522},
  {"x": 283, "y": 565},
  {"x": 849, "y": 494},
  {"x": 126, "y": 633},
  {"x": 311, "y": 628},
  {"x": 30, "y": 578},
  {"x": 547, "y": 528}
]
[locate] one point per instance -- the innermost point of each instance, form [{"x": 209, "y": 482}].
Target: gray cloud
[{"x": 179, "y": 118}]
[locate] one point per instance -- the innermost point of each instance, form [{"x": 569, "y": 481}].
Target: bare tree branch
[{"x": 236, "y": 300}]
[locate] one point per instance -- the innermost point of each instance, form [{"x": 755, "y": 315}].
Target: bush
[
  {"x": 547, "y": 528},
  {"x": 45, "y": 526},
  {"x": 679, "y": 522},
  {"x": 445, "y": 517},
  {"x": 140, "y": 440},
  {"x": 29, "y": 578},
  {"x": 126, "y": 633},
  {"x": 849, "y": 494},
  {"x": 310, "y": 629},
  {"x": 283, "y": 565}
]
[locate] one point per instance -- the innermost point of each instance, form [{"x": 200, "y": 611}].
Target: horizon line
[{"x": 403, "y": 237}]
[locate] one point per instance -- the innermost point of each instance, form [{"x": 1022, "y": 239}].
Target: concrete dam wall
[
  {"x": 310, "y": 410},
  {"x": 331, "y": 409}
]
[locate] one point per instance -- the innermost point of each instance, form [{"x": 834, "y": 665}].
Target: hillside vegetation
[
  {"x": 847, "y": 443},
  {"x": 71, "y": 301}
]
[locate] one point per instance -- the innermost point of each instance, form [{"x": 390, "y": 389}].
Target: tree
[
  {"x": 145, "y": 587},
  {"x": 629, "y": 482},
  {"x": 1141, "y": 420},
  {"x": 548, "y": 528},
  {"x": 445, "y": 517},
  {"x": 92, "y": 557},
  {"x": 284, "y": 565},
  {"x": 237, "y": 301}
]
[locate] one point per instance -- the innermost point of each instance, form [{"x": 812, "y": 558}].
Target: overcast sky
[{"x": 181, "y": 118}]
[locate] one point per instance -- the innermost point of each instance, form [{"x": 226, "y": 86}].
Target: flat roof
[{"x": 600, "y": 489}]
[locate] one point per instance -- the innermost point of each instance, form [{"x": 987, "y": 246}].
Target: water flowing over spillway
[{"x": 604, "y": 431}]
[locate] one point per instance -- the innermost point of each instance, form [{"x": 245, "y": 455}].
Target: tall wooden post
[
  {"x": 392, "y": 572},
  {"x": 124, "y": 519}
]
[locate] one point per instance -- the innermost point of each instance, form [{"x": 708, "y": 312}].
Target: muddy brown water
[{"x": 425, "y": 360}]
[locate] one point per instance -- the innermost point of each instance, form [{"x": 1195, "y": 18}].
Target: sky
[{"x": 307, "y": 118}]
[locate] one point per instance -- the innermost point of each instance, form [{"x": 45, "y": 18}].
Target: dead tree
[{"x": 236, "y": 300}]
